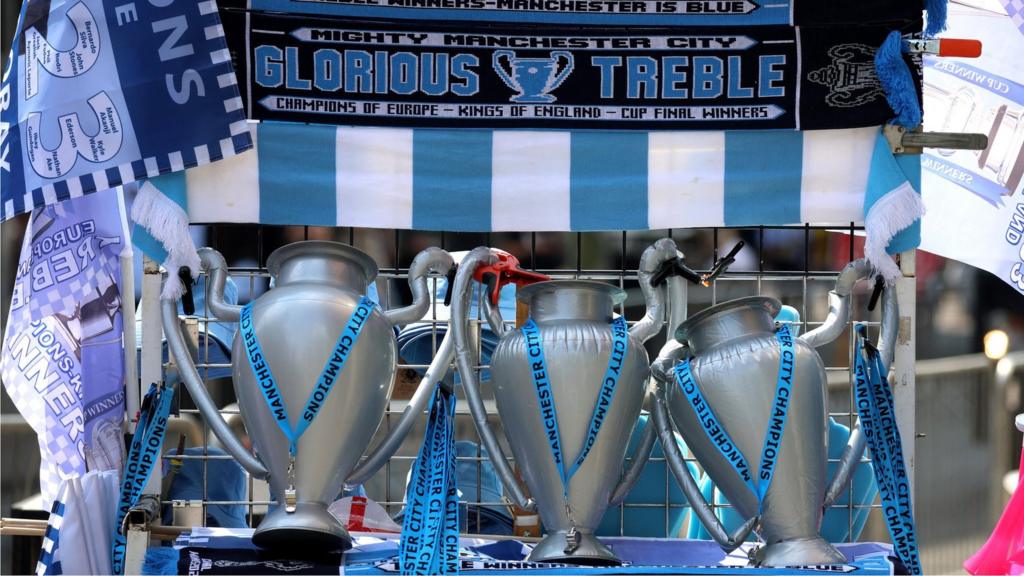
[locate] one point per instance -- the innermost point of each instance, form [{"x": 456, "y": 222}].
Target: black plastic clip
[
  {"x": 676, "y": 267},
  {"x": 188, "y": 303},
  {"x": 876, "y": 293},
  {"x": 869, "y": 349},
  {"x": 450, "y": 277},
  {"x": 722, "y": 265},
  {"x": 673, "y": 267}
]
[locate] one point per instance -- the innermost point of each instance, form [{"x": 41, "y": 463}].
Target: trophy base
[
  {"x": 590, "y": 552},
  {"x": 310, "y": 527},
  {"x": 805, "y": 552},
  {"x": 537, "y": 99}
]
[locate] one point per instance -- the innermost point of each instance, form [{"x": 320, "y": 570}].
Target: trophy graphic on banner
[
  {"x": 569, "y": 386},
  {"x": 751, "y": 402},
  {"x": 313, "y": 364},
  {"x": 533, "y": 78}
]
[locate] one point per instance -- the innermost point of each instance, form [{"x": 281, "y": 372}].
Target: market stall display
[{"x": 480, "y": 117}]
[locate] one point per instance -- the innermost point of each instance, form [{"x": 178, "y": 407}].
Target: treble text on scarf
[{"x": 450, "y": 64}]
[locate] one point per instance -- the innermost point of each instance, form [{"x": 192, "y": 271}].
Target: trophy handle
[
  {"x": 666, "y": 435},
  {"x": 631, "y": 475},
  {"x": 654, "y": 256},
  {"x": 196, "y": 388},
  {"x": 432, "y": 260},
  {"x": 857, "y": 442},
  {"x": 664, "y": 250},
  {"x": 496, "y": 268},
  {"x": 217, "y": 271},
  {"x": 566, "y": 69},
  {"x": 417, "y": 405},
  {"x": 838, "y": 305},
  {"x": 505, "y": 77},
  {"x": 492, "y": 313}
]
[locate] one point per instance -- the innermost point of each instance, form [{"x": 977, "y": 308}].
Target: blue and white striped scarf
[{"x": 508, "y": 180}]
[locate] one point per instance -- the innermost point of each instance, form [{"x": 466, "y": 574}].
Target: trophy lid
[
  {"x": 571, "y": 300},
  {"x": 759, "y": 305},
  {"x": 322, "y": 249},
  {"x": 527, "y": 293}
]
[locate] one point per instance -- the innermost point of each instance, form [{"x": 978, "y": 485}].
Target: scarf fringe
[
  {"x": 889, "y": 215},
  {"x": 168, "y": 223},
  {"x": 936, "y": 17},
  {"x": 160, "y": 560},
  {"x": 897, "y": 82}
]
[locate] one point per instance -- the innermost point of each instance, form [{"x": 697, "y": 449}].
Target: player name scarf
[
  {"x": 97, "y": 94},
  {"x": 324, "y": 70}
]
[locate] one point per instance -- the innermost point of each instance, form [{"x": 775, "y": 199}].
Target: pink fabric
[{"x": 1003, "y": 553}]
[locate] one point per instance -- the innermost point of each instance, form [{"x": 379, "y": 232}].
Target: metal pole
[
  {"x": 131, "y": 369},
  {"x": 1001, "y": 431},
  {"x": 152, "y": 331},
  {"x": 152, "y": 372},
  {"x": 903, "y": 378}
]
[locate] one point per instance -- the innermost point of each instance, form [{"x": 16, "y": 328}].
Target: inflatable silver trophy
[
  {"x": 569, "y": 388},
  {"x": 314, "y": 333},
  {"x": 751, "y": 403}
]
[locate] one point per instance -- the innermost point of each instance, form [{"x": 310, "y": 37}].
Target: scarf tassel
[{"x": 897, "y": 82}]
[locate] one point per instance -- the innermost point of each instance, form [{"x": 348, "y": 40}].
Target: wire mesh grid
[{"x": 797, "y": 265}]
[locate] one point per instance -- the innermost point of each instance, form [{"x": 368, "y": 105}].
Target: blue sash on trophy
[
  {"x": 717, "y": 434},
  {"x": 317, "y": 397},
  {"x": 143, "y": 456},
  {"x": 430, "y": 529},
  {"x": 877, "y": 414},
  {"x": 546, "y": 400}
]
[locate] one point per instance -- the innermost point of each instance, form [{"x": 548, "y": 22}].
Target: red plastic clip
[
  {"x": 505, "y": 271},
  {"x": 960, "y": 47},
  {"x": 945, "y": 47}
]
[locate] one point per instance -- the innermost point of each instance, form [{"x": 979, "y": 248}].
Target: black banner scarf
[{"x": 429, "y": 73}]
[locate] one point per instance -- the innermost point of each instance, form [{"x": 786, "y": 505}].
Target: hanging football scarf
[
  {"x": 143, "y": 457},
  {"x": 317, "y": 397},
  {"x": 717, "y": 434},
  {"x": 430, "y": 529},
  {"x": 877, "y": 414},
  {"x": 546, "y": 399},
  {"x": 465, "y": 74},
  {"x": 98, "y": 94},
  {"x": 611, "y": 12}
]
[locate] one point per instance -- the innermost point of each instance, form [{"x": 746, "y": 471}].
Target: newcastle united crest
[{"x": 850, "y": 77}]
